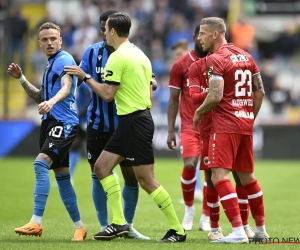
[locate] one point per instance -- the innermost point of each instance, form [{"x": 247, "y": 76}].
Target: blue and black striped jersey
[
  {"x": 101, "y": 116},
  {"x": 63, "y": 111}
]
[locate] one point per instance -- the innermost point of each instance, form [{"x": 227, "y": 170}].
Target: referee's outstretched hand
[{"x": 75, "y": 70}]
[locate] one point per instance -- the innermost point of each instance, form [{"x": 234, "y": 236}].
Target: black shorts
[
  {"x": 56, "y": 139},
  {"x": 96, "y": 141},
  {"x": 133, "y": 138},
  {"x": 81, "y": 132}
]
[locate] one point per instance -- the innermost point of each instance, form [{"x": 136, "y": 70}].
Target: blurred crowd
[{"x": 156, "y": 26}]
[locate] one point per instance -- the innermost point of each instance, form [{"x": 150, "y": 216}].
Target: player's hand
[
  {"x": 14, "y": 70},
  {"x": 171, "y": 141},
  {"x": 75, "y": 70},
  {"x": 154, "y": 84},
  {"x": 45, "y": 107},
  {"x": 197, "y": 117}
]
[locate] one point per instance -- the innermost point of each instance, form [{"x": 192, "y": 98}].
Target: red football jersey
[
  {"x": 234, "y": 113},
  {"x": 179, "y": 80},
  {"x": 198, "y": 87}
]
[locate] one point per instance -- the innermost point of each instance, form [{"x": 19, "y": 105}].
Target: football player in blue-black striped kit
[
  {"x": 102, "y": 122},
  {"x": 58, "y": 130}
]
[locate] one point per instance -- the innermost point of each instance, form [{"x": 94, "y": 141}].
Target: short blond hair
[
  {"x": 49, "y": 25},
  {"x": 217, "y": 23}
]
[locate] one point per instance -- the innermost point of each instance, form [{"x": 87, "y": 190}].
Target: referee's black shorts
[{"x": 133, "y": 138}]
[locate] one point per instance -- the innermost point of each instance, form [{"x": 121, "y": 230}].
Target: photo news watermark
[{"x": 275, "y": 240}]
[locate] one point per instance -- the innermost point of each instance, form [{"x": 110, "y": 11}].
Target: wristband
[{"x": 22, "y": 79}]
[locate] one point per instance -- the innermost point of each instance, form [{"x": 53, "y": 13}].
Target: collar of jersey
[{"x": 51, "y": 57}]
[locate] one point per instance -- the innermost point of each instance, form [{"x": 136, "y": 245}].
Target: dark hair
[
  {"x": 197, "y": 30},
  {"x": 105, "y": 15},
  {"x": 121, "y": 24}
]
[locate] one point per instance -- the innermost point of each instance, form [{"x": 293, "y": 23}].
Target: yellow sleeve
[{"x": 114, "y": 69}]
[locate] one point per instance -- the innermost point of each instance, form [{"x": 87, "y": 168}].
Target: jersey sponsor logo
[
  {"x": 50, "y": 145},
  {"x": 243, "y": 114},
  {"x": 109, "y": 73},
  {"x": 210, "y": 71},
  {"x": 242, "y": 102},
  {"x": 239, "y": 58}
]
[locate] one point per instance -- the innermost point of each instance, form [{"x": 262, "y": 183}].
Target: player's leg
[
  {"x": 222, "y": 152},
  {"x": 130, "y": 195},
  {"x": 199, "y": 191},
  {"x": 138, "y": 149},
  {"x": 42, "y": 164},
  {"x": 243, "y": 204},
  {"x": 214, "y": 209},
  {"x": 204, "y": 224},
  {"x": 75, "y": 151},
  {"x": 103, "y": 169},
  {"x": 68, "y": 197},
  {"x": 190, "y": 151},
  {"x": 250, "y": 184},
  {"x": 62, "y": 142},
  {"x": 95, "y": 144}
]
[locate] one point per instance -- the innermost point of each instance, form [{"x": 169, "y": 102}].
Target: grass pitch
[{"x": 278, "y": 179}]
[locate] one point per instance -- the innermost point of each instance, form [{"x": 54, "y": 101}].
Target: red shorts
[
  {"x": 189, "y": 144},
  {"x": 232, "y": 151},
  {"x": 204, "y": 155}
]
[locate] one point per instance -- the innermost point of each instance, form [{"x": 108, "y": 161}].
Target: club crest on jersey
[{"x": 210, "y": 72}]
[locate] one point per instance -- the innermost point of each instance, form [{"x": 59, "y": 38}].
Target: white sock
[
  {"x": 204, "y": 218},
  {"x": 246, "y": 226},
  {"x": 190, "y": 209},
  {"x": 260, "y": 229},
  {"x": 103, "y": 228},
  {"x": 238, "y": 230},
  {"x": 130, "y": 226},
  {"x": 37, "y": 219},
  {"x": 78, "y": 224},
  {"x": 214, "y": 229}
]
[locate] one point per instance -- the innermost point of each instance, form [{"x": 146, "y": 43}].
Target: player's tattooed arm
[
  {"x": 66, "y": 85},
  {"x": 214, "y": 96},
  {"x": 258, "y": 93},
  {"x": 34, "y": 93},
  {"x": 257, "y": 84}
]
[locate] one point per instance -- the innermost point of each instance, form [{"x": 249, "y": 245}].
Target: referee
[{"x": 128, "y": 74}]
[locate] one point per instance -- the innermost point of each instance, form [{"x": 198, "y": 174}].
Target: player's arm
[
  {"x": 258, "y": 93},
  {"x": 215, "y": 95},
  {"x": 173, "y": 105},
  {"x": 66, "y": 85},
  {"x": 196, "y": 95},
  {"x": 34, "y": 93},
  {"x": 176, "y": 79},
  {"x": 84, "y": 64},
  {"x": 153, "y": 85},
  {"x": 105, "y": 91}
]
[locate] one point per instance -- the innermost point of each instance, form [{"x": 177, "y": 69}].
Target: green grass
[{"x": 278, "y": 179}]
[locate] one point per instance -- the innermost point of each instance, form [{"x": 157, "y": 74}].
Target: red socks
[
  {"x": 255, "y": 198},
  {"x": 243, "y": 204},
  {"x": 188, "y": 183},
  {"x": 229, "y": 200}
]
